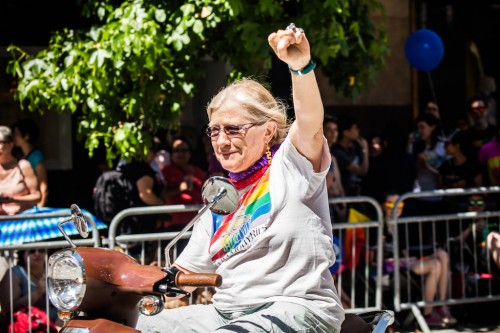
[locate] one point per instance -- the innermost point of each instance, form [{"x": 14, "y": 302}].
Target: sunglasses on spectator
[
  {"x": 479, "y": 109},
  {"x": 476, "y": 203},
  {"x": 390, "y": 205},
  {"x": 180, "y": 150},
  {"x": 231, "y": 131}
]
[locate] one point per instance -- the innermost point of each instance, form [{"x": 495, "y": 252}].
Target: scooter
[{"x": 98, "y": 290}]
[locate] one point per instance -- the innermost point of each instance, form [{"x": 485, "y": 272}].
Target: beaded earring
[{"x": 269, "y": 155}]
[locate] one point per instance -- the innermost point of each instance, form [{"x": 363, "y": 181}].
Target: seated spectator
[
  {"x": 460, "y": 171},
  {"x": 26, "y": 134},
  {"x": 18, "y": 182},
  {"x": 21, "y": 283},
  {"x": 476, "y": 241},
  {"x": 434, "y": 266}
]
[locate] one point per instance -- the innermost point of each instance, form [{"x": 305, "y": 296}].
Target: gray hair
[
  {"x": 6, "y": 134},
  {"x": 257, "y": 101}
]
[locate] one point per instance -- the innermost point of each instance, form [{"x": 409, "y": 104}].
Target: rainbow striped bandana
[{"x": 236, "y": 232}]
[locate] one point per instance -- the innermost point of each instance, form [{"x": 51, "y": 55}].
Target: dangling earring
[{"x": 269, "y": 155}]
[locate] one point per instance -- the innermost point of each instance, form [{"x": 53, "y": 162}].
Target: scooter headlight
[{"x": 66, "y": 280}]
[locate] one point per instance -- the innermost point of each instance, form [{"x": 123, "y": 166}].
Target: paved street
[
  {"x": 478, "y": 317},
  {"x": 461, "y": 327},
  {"x": 465, "y": 328}
]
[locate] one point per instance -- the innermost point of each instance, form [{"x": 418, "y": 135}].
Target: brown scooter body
[
  {"x": 100, "y": 290},
  {"x": 115, "y": 283}
]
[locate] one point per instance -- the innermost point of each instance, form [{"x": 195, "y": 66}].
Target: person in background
[
  {"x": 22, "y": 282},
  {"x": 351, "y": 153},
  {"x": 333, "y": 178},
  {"x": 460, "y": 171},
  {"x": 183, "y": 181},
  {"x": 26, "y": 134},
  {"x": 477, "y": 246},
  {"x": 146, "y": 190},
  {"x": 161, "y": 155},
  {"x": 487, "y": 87},
  {"x": 489, "y": 157},
  {"x": 375, "y": 182},
  {"x": 429, "y": 152},
  {"x": 18, "y": 182},
  {"x": 204, "y": 156},
  {"x": 433, "y": 266},
  {"x": 432, "y": 108},
  {"x": 480, "y": 130}
]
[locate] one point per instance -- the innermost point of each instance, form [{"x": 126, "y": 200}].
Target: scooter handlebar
[{"x": 197, "y": 280}]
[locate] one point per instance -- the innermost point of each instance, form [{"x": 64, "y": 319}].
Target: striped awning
[{"x": 34, "y": 229}]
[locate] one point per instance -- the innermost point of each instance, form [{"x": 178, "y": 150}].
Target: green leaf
[{"x": 135, "y": 69}]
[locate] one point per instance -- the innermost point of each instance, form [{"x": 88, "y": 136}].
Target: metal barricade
[
  {"x": 10, "y": 254},
  {"x": 366, "y": 277},
  {"x": 114, "y": 239},
  {"x": 440, "y": 231}
]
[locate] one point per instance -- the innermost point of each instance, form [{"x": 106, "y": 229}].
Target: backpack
[{"x": 113, "y": 193}]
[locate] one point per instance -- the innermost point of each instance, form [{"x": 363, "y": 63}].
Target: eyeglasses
[
  {"x": 180, "y": 150},
  {"x": 390, "y": 205},
  {"x": 476, "y": 203},
  {"x": 230, "y": 130},
  {"x": 34, "y": 251},
  {"x": 479, "y": 109}
]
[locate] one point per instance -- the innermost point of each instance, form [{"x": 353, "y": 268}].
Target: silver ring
[{"x": 293, "y": 27}]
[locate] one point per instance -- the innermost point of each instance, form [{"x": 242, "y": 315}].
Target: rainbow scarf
[{"x": 237, "y": 231}]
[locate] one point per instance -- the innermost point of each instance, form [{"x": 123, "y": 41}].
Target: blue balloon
[{"x": 424, "y": 50}]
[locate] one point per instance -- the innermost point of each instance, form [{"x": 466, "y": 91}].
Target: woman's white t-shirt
[{"x": 278, "y": 247}]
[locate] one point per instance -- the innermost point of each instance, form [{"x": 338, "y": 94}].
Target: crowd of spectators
[{"x": 433, "y": 156}]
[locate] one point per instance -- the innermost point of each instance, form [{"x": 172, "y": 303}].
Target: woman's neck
[
  {"x": 8, "y": 162},
  {"x": 258, "y": 165},
  {"x": 27, "y": 148}
]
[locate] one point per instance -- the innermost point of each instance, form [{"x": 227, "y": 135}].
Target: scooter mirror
[
  {"x": 227, "y": 203},
  {"x": 79, "y": 221}
]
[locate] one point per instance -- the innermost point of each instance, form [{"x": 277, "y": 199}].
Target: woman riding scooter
[{"x": 274, "y": 251}]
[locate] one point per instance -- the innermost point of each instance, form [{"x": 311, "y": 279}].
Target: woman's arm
[
  {"x": 146, "y": 194},
  {"x": 306, "y": 133},
  {"x": 41, "y": 173},
  {"x": 31, "y": 182}
]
